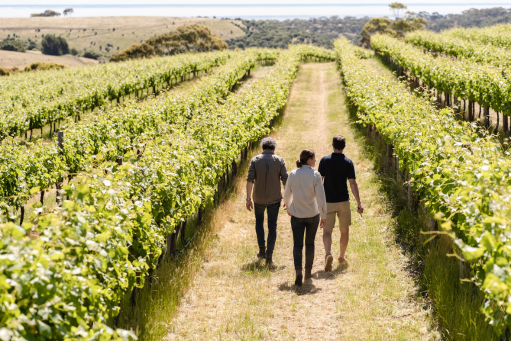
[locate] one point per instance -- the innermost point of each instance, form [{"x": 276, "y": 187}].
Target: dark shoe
[
  {"x": 307, "y": 274},
  {"x": 298, "y": 278},
  {"x": 261, "y": 255},
  {"x": 269, "y": 262}
]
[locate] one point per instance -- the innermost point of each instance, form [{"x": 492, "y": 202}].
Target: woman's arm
[
  {"x": 320, "y": 199},
  {"x": 288, "y": 195}
]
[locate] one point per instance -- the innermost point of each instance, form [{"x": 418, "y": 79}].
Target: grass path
[{"x": 234, "y": 297}]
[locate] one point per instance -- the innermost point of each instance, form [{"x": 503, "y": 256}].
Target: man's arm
[
  {"x": 250, "y": 184},
  {"x": 248, "y": 203},
  {"x": 284, "y": 173},
  {"x": 355, "y": 191}
]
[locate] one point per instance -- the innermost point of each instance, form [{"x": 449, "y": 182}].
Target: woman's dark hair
[
  {"x": 305, "y": 155},
  {"x": 338, "y": 142}
]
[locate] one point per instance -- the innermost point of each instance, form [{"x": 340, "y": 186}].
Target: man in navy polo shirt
[{"x": 336, "y": 169}]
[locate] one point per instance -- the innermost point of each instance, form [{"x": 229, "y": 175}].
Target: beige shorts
[{"x": 340, "y": 209}]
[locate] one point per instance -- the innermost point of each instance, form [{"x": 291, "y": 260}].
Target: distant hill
[
  {"x": 106, "y": 35},
  {"x": 323, "y": 31}
]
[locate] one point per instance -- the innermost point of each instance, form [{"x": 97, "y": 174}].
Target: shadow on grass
[
  {"x": 307, "y": 288},
  {"x": 260, "y": 266},
  {"x": 339, "y": 270}
]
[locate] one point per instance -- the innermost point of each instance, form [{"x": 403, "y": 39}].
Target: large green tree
[
  {"x": 398, "y": 27},
  {"x": 376, "y": 25}
]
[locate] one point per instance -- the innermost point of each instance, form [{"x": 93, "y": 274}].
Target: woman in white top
[{"x": 304, "y": 197}]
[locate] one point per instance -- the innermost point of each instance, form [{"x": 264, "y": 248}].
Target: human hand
[
  {"x": 322, "y": 223},
  {"x": 248, "y": 205},
  {"x": 284, "y": 207},
  {"x": 360, "y": 210},
  {"x": 289, "y": 213}
]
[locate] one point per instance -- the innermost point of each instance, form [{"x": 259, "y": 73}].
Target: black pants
[
  {"x": 272, "y": 213},
  {"x": 299, "y": 226}
]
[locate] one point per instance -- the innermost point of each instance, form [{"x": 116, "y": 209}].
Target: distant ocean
[{"x": 254, "y": 11}]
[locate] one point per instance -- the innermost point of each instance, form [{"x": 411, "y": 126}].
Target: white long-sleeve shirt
[{"x": 304, "y": 193}]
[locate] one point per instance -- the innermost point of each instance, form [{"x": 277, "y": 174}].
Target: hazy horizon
[{"x": 244, "y": 9}]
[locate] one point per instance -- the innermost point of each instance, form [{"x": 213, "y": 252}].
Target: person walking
[
  {"x": 304, "y": 199},
  {"x": 335, "y": 170},
  {"x": 266, "y": 171}
]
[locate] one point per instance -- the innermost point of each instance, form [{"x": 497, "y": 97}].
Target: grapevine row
[
  {"x": 498, "y": 35},
  {"x": 484, "y": 84},
  {"x": 462, "y": 178},
  {"x": 33, "y": 100},
  {"x": 107, "y": 134},
  {"x": 460, "y": 48},
  {"x": 98, "y": 245}
]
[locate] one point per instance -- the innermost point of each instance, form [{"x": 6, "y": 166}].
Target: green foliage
[
  {"x": 44, "y": 66},
  {"x": 47, "y": 13},
  {"x": 396, "y": 28},
  {"x": 90, "y": 54},
  {"x": 41, "y": 166},
  {"x": 411, "y": 22},
  {"x": 73, "y": 51},
  {"x": 470, "y": 18},
  {"x": 185, "y": 38},
  {"x": 10, "y": 44},
  {"x": 280, "y": 34},
  {"x": 450, "y": 44},
  {"x": 99, "y": 245},
  {"x": 135, "y": 51},
  {"x": 498, "y": 35},
  {"x": 485, "y": 84},
  {"x": 53, "y": 45},
  {"x": 363, "y": 53},
  {"x": 5, "y": 72},
  {"x": 376, "y": 25},
  {"x": 29, "y": 101},
  {"x": 462, "y": 178},
  {"x": 397, "y": 8}
]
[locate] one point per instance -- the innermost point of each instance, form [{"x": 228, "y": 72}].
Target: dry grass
[
  {"x": 99, "y": 30},
  {"x": 234, "y": 297},
  {"x": 10, "y": 59}
]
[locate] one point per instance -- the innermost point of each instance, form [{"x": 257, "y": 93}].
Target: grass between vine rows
[
  {"x": 394, "y": 287},
  {"x": 235, "y": 297}
]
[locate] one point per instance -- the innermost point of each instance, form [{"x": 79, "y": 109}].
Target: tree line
[{"x": 324, "y": 30}]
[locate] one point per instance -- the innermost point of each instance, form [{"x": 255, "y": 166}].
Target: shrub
[
  {"x": 91, "y": 55},
  {"x": 44, "y": 66},
  {"x": 5, "y": 72},
  {"x": 55, "y": 46},
  {"x": 11, "y": 45}
]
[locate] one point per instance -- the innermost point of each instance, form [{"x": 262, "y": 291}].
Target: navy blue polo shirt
[{"x": 336, "y": 169}]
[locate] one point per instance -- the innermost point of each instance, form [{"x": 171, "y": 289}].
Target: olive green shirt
[{"x": 266, "y": 171}]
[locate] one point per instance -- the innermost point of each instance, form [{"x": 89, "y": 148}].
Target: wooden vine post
[
  {"x": 487, "y": 121},
  {"x": 171, "y": 245},
  {"x": 60, "y": 145}
]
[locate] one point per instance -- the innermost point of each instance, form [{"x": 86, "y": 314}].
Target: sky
[{"x": 237, "y": 2}]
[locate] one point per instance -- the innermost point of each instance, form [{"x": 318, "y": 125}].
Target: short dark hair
[
  {"x": 338, "y": 142},
  {"x": 268, "y": 143}
]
